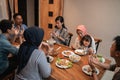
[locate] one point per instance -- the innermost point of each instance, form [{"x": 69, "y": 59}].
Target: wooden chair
[
  {"x": 69, "y": 38},
  {"x": 97, "y": 42}
]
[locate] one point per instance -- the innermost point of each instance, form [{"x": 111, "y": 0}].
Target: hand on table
[
  {"x": 90, "y": 62},
  {"x": 94, "y": 72}
]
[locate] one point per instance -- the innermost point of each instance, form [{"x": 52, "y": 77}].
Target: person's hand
[
  {"x": 90, "y": 51},
  {"x": 21, "y": 32},
  {"x": 93, "y": 60},
  {"x": 45, "y": 47},
  {"x": 72, "y": 47},
  {"x": 90, "y": 59},
  {"x": 54, "y": 34},
  {"x": 91, "y": 64},
  {"x": 16, "y": 31}
]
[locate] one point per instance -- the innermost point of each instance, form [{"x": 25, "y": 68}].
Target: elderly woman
[
  {"x": 32, "y": 62},
  {"x": 81, "y": 31}
]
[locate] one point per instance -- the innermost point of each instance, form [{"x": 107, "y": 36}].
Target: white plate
[
  {"x": 67, "y": 53},
  {"x": 63, "y": 66},
  {"x": 85, "y": 70},
  {"x": 80, "y": 52}
]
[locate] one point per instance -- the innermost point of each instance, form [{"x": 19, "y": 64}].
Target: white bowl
[{"x": 74, "y": 58}]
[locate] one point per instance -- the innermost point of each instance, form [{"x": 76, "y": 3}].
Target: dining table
[{"x": 75, "y": 72}]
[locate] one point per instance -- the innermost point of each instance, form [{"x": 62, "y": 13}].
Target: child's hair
[{"x": 86, "y": 38}]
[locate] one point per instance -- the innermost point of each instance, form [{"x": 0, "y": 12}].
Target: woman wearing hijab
[
  {"x": 32, "y": 62},
  {"x": 81, "y": 31}
]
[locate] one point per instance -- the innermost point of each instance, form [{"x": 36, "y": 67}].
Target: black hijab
[{"x": 33, "y": 38}]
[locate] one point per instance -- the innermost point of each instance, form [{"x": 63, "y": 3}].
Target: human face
[
  {"x": 59, "y": 24},
  {"x": 79, "y": 32},
  {"x": 18, "y": 20},
  {"x": 86, "y": 43},
  {"x": 11, "y": 31},
  {"x": 113, "y": 49}
]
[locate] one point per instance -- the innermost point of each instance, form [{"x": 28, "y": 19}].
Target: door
[{"x": 49, "y": 10}]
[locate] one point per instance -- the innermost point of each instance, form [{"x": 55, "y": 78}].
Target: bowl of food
[{"x": 74, "y": 58}]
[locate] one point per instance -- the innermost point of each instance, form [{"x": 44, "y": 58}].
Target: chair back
[
  {"x": 97, "y": 42},
  {"x": 69, "y": 38}
]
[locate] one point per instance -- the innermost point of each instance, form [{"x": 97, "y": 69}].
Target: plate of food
[
  {"x": 63, "y": 63},
  {"x": 80, "y": 52},
  {"x": 100, "y": 58},
  {"x": 87, "y": 70},
  {"x": 67, "y": 53},
  {"x": 74, "y": 58}
]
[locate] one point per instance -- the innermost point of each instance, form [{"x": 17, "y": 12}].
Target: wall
[
  {"x": 30, "y": 12},
  {"x": 101, "y": 17},
  {"x": 3, "y": 10}
]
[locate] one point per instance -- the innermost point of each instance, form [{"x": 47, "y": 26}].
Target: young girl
[
  {"x": 85, "y": 44},
  {"x": 82, "y": 31}
]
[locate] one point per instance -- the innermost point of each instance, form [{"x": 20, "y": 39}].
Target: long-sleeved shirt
[
  {"x": 5, "y": 49},
  {"x": 63, "y": 33},
  {"x": 37, "y": 67}
]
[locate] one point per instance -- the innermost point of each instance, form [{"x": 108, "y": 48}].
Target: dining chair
[
  {"x": 97, "y": 42},
  {"x": 69, "y": 38}
]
